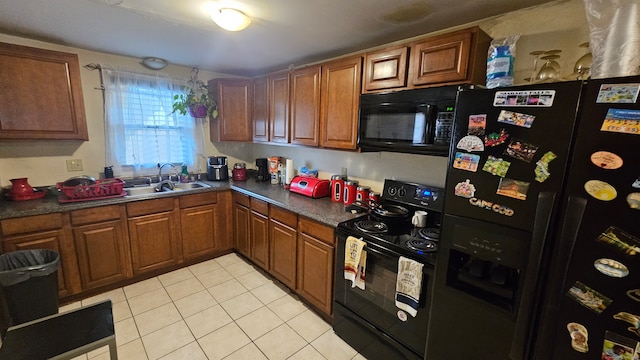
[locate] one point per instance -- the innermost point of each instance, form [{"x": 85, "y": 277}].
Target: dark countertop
[{"x": 322, "y": 210}]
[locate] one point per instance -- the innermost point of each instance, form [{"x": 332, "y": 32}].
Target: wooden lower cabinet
[
  {"x": 282, "y": 246},
  {"x": 241, "y": 224},
  {"x": 201, "y": 225},
  {"x": 52, "y": 232},
  {"x": 154, "y": 234},
  {"x": 260, "y": 239},
  {"x": 316, "y": 245}
]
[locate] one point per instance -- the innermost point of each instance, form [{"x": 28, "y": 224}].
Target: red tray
[{"x": 102, "y": 189}]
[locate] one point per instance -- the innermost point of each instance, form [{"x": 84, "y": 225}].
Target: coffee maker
[
  {"x": 263, "y": 169},
  {"x": 217, "y": 169}
]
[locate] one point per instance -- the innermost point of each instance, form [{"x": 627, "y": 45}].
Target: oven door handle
[{"x": 387, "y": 254}]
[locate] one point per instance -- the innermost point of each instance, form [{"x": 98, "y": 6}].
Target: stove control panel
[{"x": 429, "y": 197}]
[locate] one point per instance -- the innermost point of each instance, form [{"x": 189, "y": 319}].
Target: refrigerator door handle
[
  {"x": 563, "y": 250},
  {"x": 541, "y": 225}
]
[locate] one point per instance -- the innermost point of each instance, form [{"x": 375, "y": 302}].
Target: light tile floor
[{"x": 222, "y": 308}]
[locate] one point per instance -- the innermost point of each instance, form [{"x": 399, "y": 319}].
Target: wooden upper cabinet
[
  {"x": 279, "y": 107},
  {"x": 40, "y": 95},
  {"x": 260, "y": 109},
  {"x": 234, "y": 121},
  {"x": 457, "y": 57},
  {"x": 305, "y": 106},
  {"x": 340, "y": 99},
  {"x": 386, "y": 69}
]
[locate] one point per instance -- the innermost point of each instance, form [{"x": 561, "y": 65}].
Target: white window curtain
[{"x": 140, "y": 130}]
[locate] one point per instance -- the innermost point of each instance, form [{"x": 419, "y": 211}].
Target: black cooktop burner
[
  {"x": 422, "y": 245},
  {"x": 432, "y": 234},
  {"x": 372, "y": 227}
]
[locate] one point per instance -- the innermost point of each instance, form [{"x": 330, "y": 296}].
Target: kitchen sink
[{"x": 151, "y": 188}]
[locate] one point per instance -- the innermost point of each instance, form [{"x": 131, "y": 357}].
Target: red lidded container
[
  {"x": 337, "y": 184},
  {"x": 349, "y": 193},
  {"x": 362, "y": 193}
]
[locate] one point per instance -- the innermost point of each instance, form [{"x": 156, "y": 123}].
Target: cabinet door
[
  {"x": 103, "y": 253},
  {"x": 441, "y": 59},
  {"x": 155, "y": 241},
  {"x": 282, "y": 253},
  {"x": 279, "y": 107},
  {"x": 36, "y": 82},
  {"x": 260, "y": 109},
  {"x": 234, "y": 110},
  {"x": 199, "y": 231},
  {"x": 386, "y": 69},
  {"x": 52, "y": 240},
  {"x": 241, "y": 229},
  {"x": 305, "y": 106},
  {"x": 340, "y": 98},
  {"x": 315, "y": 272},
  {"x": 260, "y": 239}
]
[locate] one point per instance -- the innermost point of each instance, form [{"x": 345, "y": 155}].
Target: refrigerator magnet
[
  {"x": 495, "y": 139},
  {"x": 606, "y": 160},
  {"x": 611, "y": 268},
  {"x": 620, "y": 240},
  {"x": 496, "y": 166},
  {"x": 636, "y": 183},
  {"x": 617, "y": 347},
  {"x": 538, "y": 98},
  {"x": 600, "y": 190},
  {"x": 477, "y": 124},
  {"x": 618, "y": 93},
  {"x": 470, "y": 143},
  {"x": 633, "y": 200},
  {"x": 521, "y": 150},
  {"x": 542, "y": 166},
  {"x": 625, "y": 121},
  {"x": 632, "y": 319},
  {"x": 588, "y": 297},
  {"x": 465, "y": 161},
  {"x": 579, "y": 337},
  {"x": 465, "y": 189},
  {"x": 517, "y": 119},
  {"x": 513, "y": 188},
  {"x": 634, "y": 294}
]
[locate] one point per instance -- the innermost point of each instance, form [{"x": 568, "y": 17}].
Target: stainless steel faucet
[{"x": 160, "y": 170}]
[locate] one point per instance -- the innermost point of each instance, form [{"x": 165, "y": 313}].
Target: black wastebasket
[{"x": 28, "y": 286}]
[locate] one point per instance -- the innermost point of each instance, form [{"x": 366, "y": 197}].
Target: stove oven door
[{"x": 369, "y": 319}]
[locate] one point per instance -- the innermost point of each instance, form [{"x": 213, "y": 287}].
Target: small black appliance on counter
[
  {"x": 217, "y": 168},
  {"x": 263, "y": 169}
]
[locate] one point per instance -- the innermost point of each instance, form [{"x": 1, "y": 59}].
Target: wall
[{"x": 558, "y": 25}]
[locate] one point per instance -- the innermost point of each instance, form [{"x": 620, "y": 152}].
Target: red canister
[
  {"x": 337, "y": 184},
  {"x": 374, "y": 196},
  {"x": 362, "y": 193},
  {"x": 349, "y": 193}
]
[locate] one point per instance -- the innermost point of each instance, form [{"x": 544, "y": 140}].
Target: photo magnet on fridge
[
  {"x": 495, "y": 139},
  {"x": 588, "y": 297},
  {"x": 465, "y": 161},
  {"x": 496, "y": 166},
  {"x": 521, "y": 150},
  {"x": 477, "y": 124},
  {"x": 513, "y": 188},
  {"x": 542, "y": 166},
  {"x": 517, "y": 119},
  {"x": 625, "y": 121},
  {"x": 617, "y": 347},
  {"x": 620, "y": 240}
]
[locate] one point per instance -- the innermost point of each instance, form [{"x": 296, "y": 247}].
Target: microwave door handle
[{"x": 430, "y": 124}]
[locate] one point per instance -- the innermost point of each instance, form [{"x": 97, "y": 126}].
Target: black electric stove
[{"x": 398, "y": 234}]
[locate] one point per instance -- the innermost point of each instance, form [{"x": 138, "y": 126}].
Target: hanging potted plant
[{"x": 195, "y": 99}]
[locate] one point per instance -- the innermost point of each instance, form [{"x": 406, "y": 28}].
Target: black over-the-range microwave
[{"x": 416, "y": 121}]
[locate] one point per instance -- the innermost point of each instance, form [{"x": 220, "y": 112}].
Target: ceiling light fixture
[
  {"x": 154, "y": 63},
  {"x": 230, "y": 19}
]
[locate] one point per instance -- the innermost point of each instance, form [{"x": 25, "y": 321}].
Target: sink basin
[{"x": 151, "y": 189}]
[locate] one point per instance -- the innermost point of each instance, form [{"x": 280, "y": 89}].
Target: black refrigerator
[{"x": 539, "y": 254}]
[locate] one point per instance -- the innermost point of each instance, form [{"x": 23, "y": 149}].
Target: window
[{"x": 140, "y": 130}]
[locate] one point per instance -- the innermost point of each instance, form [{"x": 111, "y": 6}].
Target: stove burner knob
[
  {"x": 402, "y": 192},
  {"x": 392, "y": 191}
]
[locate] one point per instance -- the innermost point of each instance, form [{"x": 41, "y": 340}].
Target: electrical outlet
[{"x": 74, "y": 165}]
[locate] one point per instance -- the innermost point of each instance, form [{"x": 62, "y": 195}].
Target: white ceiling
[{"x": 283, "y": 32}]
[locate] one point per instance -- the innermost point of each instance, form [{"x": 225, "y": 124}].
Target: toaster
[{"x": 309, "y": 186}]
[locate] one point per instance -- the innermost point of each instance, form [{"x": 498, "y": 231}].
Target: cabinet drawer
[
  {"x": 150, "y": 207},
  {"x": 284, "y": 216},
  {"x": 198, "y": 199},
  {"x": 97, "y": 214},
  {"x": 241, "y": 199},
  {"x": 260, "y": 206},
  {"x": 315, "y": 229},
  {"x": 29, "y": 224}
]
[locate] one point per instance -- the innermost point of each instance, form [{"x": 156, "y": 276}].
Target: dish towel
[
  {"x": 408, "y": 285},
  {"x": 355, "y": 260}
]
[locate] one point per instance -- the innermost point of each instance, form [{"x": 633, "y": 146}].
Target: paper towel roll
[{"x": 289, "y": 171}]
